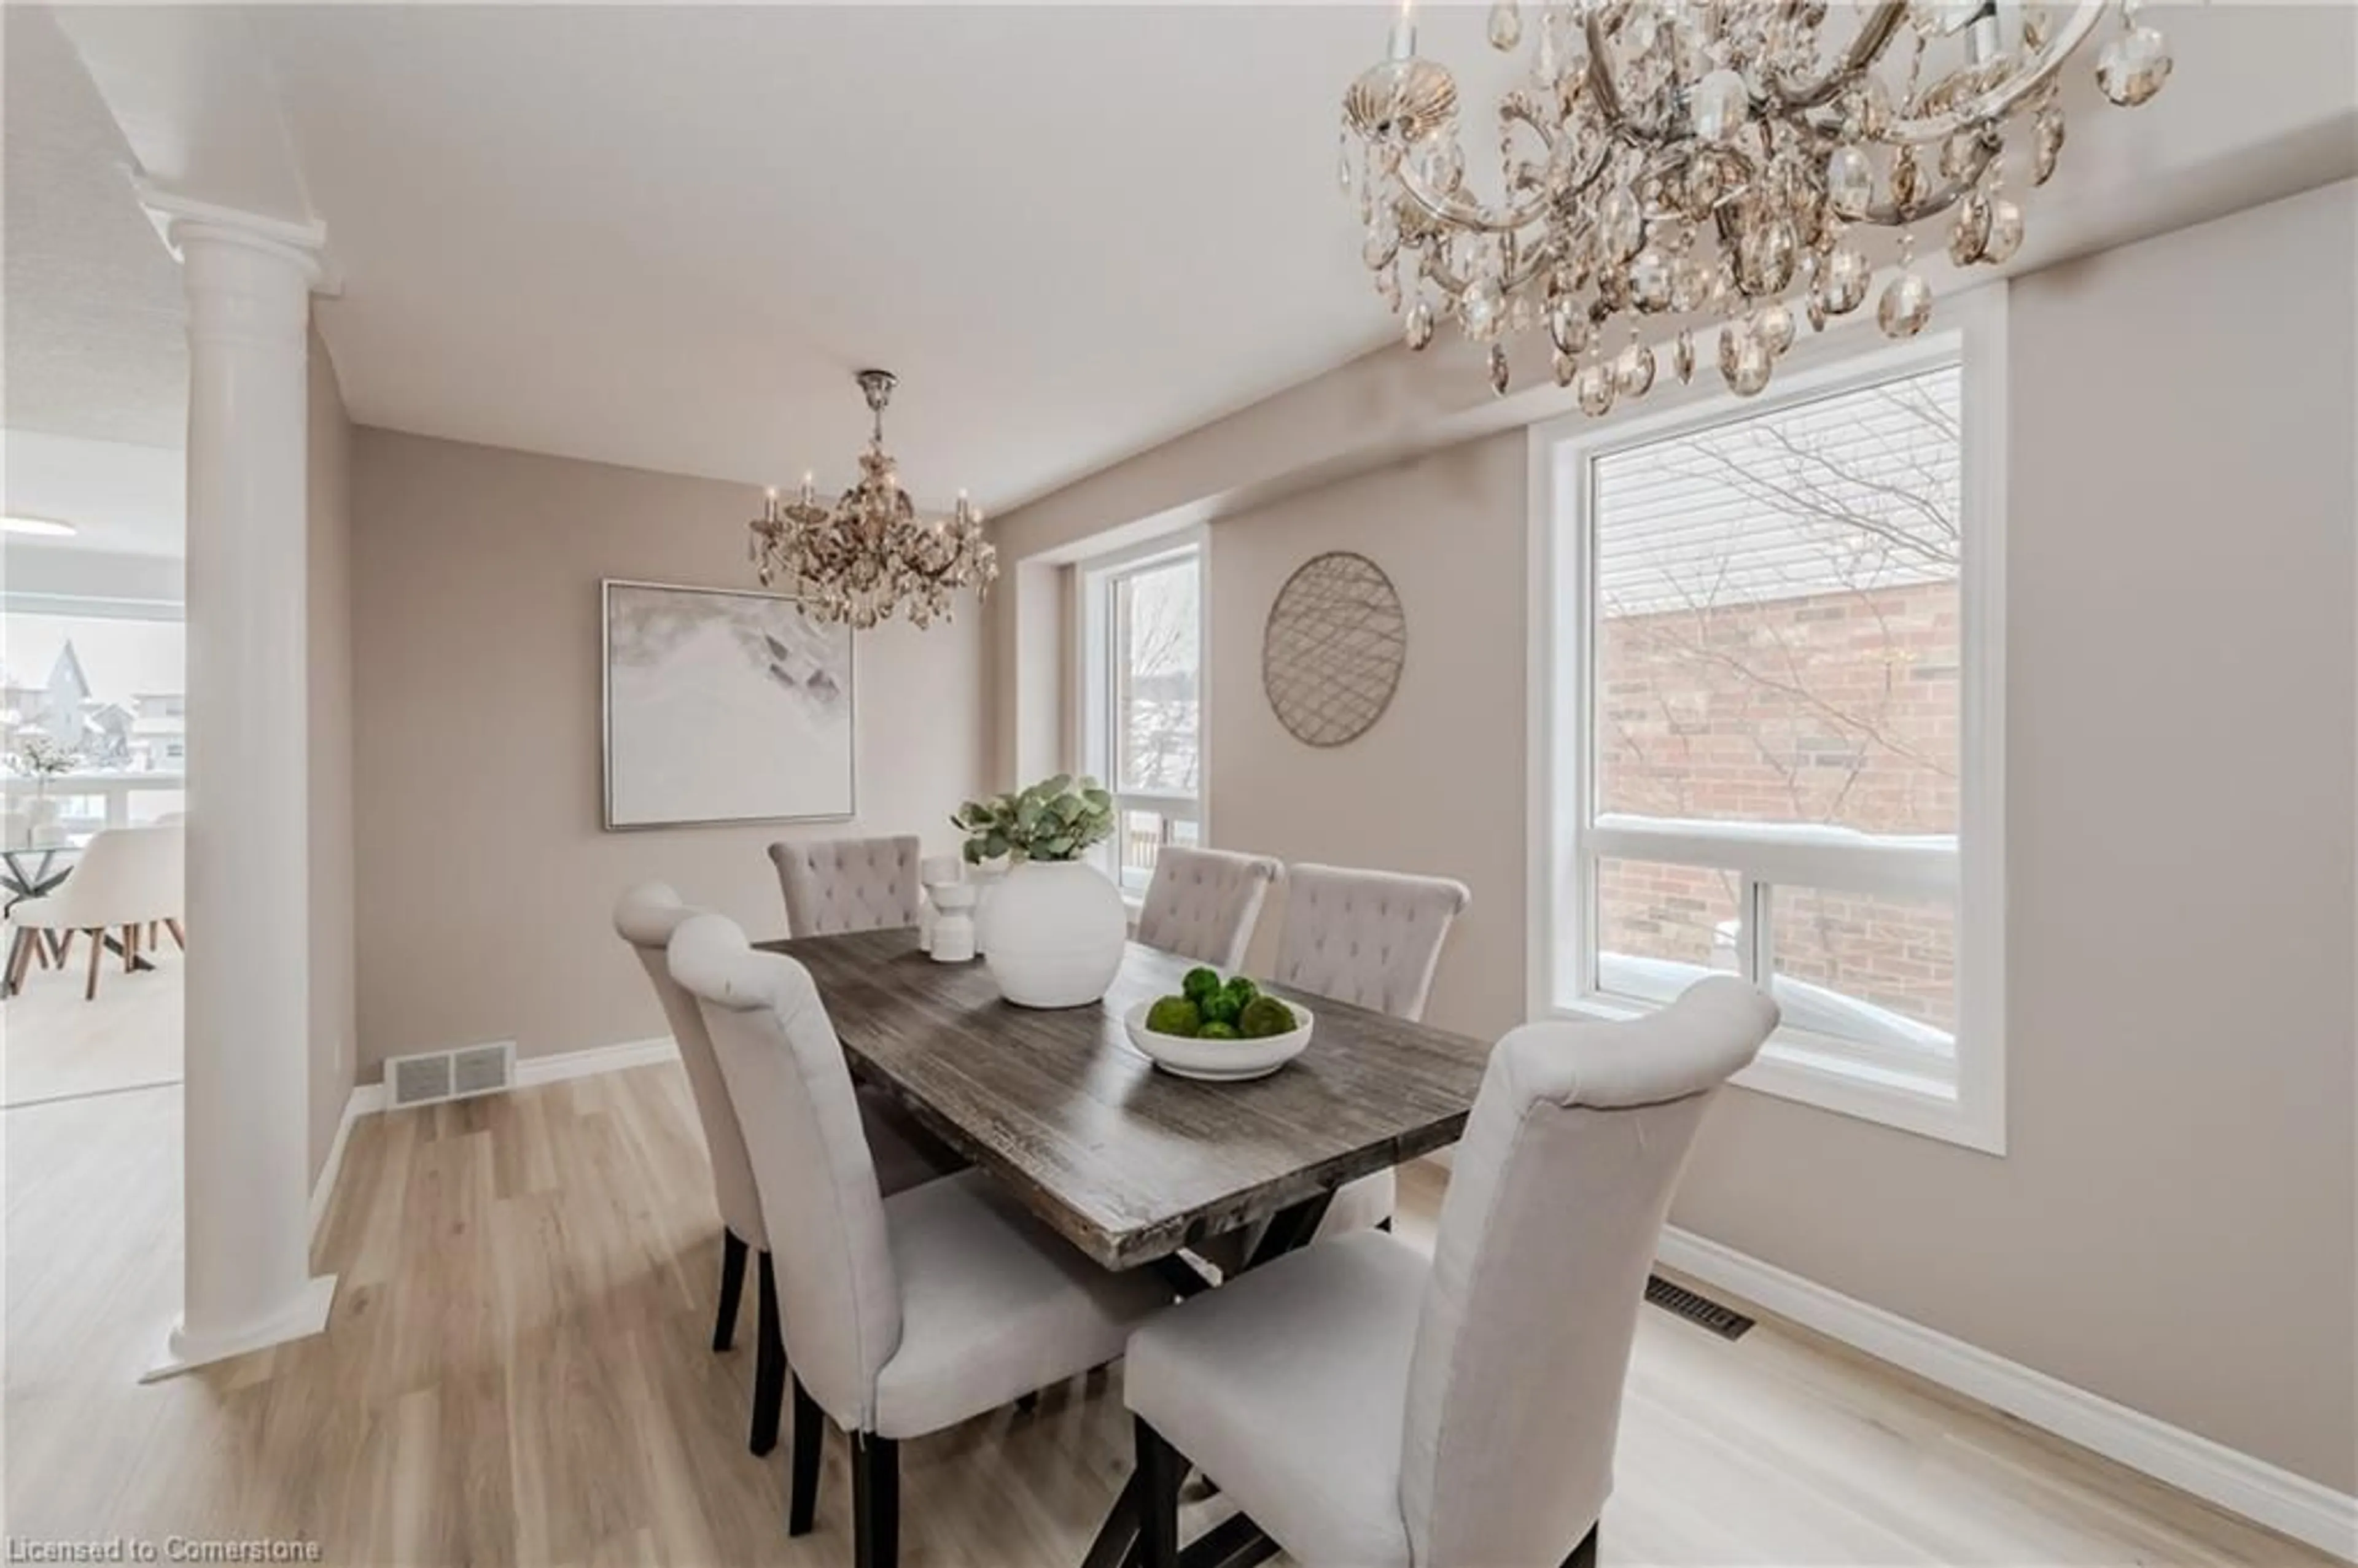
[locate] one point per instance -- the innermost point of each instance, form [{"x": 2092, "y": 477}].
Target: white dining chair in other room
[
  {"x": 125, "y": 878},
  {"x": 1202, "y": 903},
  {"x": 646, "y": 917},
  {"x": 835, "y": 885},
  {"x": 1367, "y": 1407},
  {"x": 1372, "y": 939},
  {"x": 904, "y": 1314}
]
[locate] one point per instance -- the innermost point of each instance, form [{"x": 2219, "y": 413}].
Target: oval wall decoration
[{"x": 1332, "y": 652}]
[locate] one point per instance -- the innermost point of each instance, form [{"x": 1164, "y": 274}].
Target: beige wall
[
  {"x": 329, "y": 673},
  {"x": 1436, "y": 786},
  {"x": 2174, "y": 1227},
  {"x": 486, "y": 882}
]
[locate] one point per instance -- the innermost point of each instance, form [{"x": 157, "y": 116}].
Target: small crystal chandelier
[
  {"x": 1714, "y": 157},
  {"x": 869, "y": 554}
]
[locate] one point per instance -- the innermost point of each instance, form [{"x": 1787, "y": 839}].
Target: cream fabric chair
[
  {"x": 646, "y": 917},
  {"x": 835, "y": 885},
  {"x": 905, "y": 1313},
  {"x": 1369, "y": 1408},
  {"x": 125, "y": 879},
  {"x": 1203, "y": 903},
  {"x": 1372, "y": 939}
]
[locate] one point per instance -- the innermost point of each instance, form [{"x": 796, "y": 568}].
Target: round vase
[{"x": 1053, "y": 934}]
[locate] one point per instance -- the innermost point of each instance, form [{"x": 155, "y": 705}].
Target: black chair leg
[
  {"x": 732, "y": 1288},
  {"x": 1159, "y": 1472},
  {"x": 802, "y": 1504},
  {"x": 1584, "y": 1554},
  {"x": 769, "y": 1363},
  {"x": 875, "y": 1502}
]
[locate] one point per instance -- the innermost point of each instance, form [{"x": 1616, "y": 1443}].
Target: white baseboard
[
  {"x": 364, "y": 1098},
  {"x": 616, "y": 1058},
  {"x": 2259, "y": 1491}
]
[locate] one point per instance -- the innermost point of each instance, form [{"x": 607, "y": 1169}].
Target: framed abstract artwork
[{"x": 723, "y": 706}]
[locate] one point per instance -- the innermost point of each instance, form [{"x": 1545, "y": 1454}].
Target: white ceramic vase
[{"x": 1053, "y": 934}]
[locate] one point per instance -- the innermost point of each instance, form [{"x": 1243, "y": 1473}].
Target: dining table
[{"x": 1129, "y": 1163}]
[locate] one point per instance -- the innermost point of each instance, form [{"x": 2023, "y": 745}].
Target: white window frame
[
  {"x": 1094, "y": 582},
  {"x": 1834, "y": 1074}
]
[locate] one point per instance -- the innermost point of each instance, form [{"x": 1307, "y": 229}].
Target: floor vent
[
  {"x": 1725, "y": 1322},
  {"x": 451, "y": 1075}
]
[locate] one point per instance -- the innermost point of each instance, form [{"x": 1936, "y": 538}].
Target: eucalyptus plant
[{"x": 1056, "y": 819}]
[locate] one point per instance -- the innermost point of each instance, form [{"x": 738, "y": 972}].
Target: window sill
[{"x": 1797, "y": 1067}]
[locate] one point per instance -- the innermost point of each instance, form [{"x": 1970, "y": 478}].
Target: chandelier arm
[
  {"x": 2000, "y": 100},
  {"x": 1873, "y": 38},
  {"x": 1465, "y": 214}
]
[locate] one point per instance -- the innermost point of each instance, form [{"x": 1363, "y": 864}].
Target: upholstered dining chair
[
  {"x": 1368, "y": 1408},
  {"x": 125, "y": 879},
  {"x": 1203, "y": 903},
  {"x": 904, "y": 1314},
  {"x": 1372, "y": 939},
  {"x": 835, "y": 885},
  {"x": 646, "y": 917}
]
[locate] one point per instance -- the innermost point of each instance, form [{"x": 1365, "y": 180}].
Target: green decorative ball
[
  {"x": 1200, "y": 983},
  {"x": 1244, "y": 991},
  {"x": 1264, "y": 1016},
  {"x": 1220, "y": 1031},
  {"x": 1175, "y": 1015},
  {"x": 1219, "y": 1007}
]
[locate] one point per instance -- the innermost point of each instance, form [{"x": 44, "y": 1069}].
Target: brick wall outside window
[{"x": 1826, "y": 708}]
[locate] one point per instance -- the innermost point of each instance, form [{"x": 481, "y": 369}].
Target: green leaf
[{"x": 973, "y": 851}]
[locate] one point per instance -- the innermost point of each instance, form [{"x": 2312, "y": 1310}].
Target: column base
[{"x": 307, "y": 1315}]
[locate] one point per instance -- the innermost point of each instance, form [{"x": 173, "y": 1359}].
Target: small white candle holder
[
  {"x": 935, "y": 872},
  {"x": 954, "y": 922}
]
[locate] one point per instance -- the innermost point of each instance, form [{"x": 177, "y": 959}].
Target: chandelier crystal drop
[
  {"x": 870, "y": 554},
  {"x": 1720, "y": 157}
]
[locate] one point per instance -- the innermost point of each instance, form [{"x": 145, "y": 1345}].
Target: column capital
[{"x": 183, "y": 221}]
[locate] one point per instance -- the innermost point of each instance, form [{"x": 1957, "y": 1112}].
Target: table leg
[{"x": 1116, "y": 1545}]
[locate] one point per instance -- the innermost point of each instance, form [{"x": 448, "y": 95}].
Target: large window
[
  {"x": 110, "y": 693},
  {"x": 1768, "y": 745},
  {"x": 1143, "y": 703}
]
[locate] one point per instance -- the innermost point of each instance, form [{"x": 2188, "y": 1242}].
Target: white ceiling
[
  {"x": 665, "y": 237},
  {"x": 93, "y": 341}
]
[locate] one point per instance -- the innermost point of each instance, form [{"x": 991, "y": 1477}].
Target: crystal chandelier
[
  {"x": 1713, "y": 157},
  {"x": 869, "y": 554}
]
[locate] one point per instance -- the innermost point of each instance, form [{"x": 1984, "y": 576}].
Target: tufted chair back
[
  {"x": 838, "y": 1289},
  {"x": 1555, "y": 1205},
  {"x": 1369, "y": 938},
  {"x": 645, "y": 918},
  {"x": 834, "y": 885},
  {"x": 1203, "y": 903}
]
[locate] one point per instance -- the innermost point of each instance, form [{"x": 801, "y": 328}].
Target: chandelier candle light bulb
[{"x": 1714, "y": 155}]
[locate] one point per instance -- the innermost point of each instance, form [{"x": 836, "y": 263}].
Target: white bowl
[{"x": 1219, "y": 1060}]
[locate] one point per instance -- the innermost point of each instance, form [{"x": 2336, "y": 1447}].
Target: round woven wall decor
[{"x": 1332, "y": 652}]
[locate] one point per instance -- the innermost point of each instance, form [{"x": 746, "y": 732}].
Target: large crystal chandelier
[
  {"x": 1720, "y": 159},
  {"x": 869, "y": 554}
]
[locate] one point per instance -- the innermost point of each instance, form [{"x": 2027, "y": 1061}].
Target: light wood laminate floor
[
  {"x": 516, "y": 1371},
  {"x": 54, "y": 1044}
]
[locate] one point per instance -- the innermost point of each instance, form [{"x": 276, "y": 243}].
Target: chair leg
[
  {"x": 60, "y": 948},
  {"x": 1584, "y": 1554},
  {"x": 810, "y": 1433},
  {"x": 1159, "y": 1470},
  {"x": 20, "y": 957},
  {"x": 769, "y": 1362},
  {"x": 130, "y": 949},
  {"x": 734, "y": 1251},
  {"x": 97, "y": 953},
  {"x": 179, "y": 938},
  {"x": 875, "y": 1501}
]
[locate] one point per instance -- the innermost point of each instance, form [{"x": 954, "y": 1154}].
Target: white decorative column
[{"x": 249, "y": 1281}]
